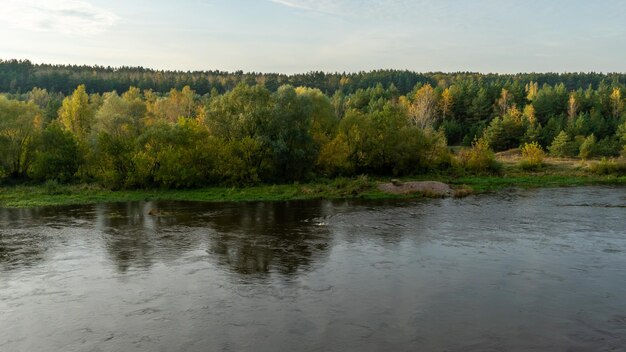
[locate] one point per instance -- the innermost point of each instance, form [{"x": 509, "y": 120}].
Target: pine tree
[{"x": 559, "y": 146}]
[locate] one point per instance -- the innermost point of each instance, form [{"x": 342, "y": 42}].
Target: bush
[
  {"x": 532, "y": 156},
  {"x": 54, "y": 188},
  {"x": 587, "y": 147},
  {"x": 347, "y": 186},
  {"x": 608, "y": 167},
  {"x": 607, "y": 147},
  {"x": 591, "y": 147},
  {"x": 479, "y": 158}
]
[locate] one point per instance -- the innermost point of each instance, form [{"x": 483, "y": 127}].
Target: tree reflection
[
  {"x": 133, "y": 238},
  {"x": 258, "y": 238},
  {"x": 126, "y": 234},
  {"x": 243, "y": 238}
]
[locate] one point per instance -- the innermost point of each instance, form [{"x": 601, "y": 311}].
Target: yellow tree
[
  {"x": 422, "y": 110},
  {"x": 572, "y": 107},
  {"x": 177, "y": 104},
  {"x": 504, "y": 102},
  {"x": 529, "y": 113},
  {"x": 617, "y": 105},
  {"x": 446, "y": 103},
  {"x": 76, "y": 114},
  {"x": 531, "y": 90}
]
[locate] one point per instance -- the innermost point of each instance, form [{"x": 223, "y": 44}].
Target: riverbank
[
  {"x": 362, "y": 187},
  {"x": 556, "y": 172}
]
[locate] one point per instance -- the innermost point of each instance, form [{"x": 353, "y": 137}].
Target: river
[{"x": 518, "y": 270}]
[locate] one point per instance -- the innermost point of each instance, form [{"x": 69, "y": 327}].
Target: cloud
[
  {"x": 57, "y": 16},
  {"x": 324, "y": 6},
  {"x": 441, "y": 11},
  {"x": 354, "y": 7}
]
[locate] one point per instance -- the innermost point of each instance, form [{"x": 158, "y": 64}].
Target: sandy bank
[{"x": 427, "y": 188}]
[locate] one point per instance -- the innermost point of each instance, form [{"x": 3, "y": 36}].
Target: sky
[{"x": 295, "y": 36}]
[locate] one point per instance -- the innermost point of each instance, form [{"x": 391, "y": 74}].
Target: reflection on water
[{"x": 527, "y": 270}]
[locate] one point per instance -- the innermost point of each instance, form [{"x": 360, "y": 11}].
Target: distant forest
[
  {"x": 136, "y": 127},
  {"x": 19, "y": 76}
]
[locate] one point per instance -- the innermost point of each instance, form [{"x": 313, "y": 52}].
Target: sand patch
[{"x": 426, "y": 188}]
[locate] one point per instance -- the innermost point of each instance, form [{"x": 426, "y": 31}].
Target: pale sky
[{"x": 293, "y": 36}]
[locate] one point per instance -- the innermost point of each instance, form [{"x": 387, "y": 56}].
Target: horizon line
[{"x": 113, "y": 67}]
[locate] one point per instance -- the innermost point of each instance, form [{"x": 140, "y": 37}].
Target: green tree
[
  {"x": 334, "y": 157},
  {"x": 175, "y": 155},
  {"x": 20, "y": 124},
  {"x": 245, "y": 113},
  {"x": 506, "y": 132},
  {"x": 242, "y": 112},
  {"x": 57, "y": 157},
  {"x": 481, "y": 108},
  {"x": 586, "y": 149},
  {"x": 117, "y": 125},
  {"x": 562, "y": 146},
  {"x": 323, "y": 121},
  {"x": 288, "y": 134}
]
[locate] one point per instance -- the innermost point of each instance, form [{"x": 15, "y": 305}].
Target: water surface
[{"x": 528, "y": 270}]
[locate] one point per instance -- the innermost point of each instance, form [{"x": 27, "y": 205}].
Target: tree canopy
[{"x": 135, "y": 127}]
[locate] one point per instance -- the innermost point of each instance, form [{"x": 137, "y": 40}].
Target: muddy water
[{"x": 528, "y": 270}]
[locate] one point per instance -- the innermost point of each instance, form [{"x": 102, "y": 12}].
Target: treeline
[
  {"x": 245, "y": 136},
  {"x": 20, "y": 76},
  {"x": 252, "y": 134}
]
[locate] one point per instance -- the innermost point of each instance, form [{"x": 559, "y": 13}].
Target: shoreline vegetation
[
  {"x": 554, "y": 173},
  {"x": 76, "y": 135}
]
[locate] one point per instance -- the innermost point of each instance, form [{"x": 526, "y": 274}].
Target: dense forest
[
  {"x": 20, "y": 76},
  {"x": 134, "y": 127}
]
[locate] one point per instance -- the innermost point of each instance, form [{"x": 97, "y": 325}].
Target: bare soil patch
[{"x": 426, "y": 188}]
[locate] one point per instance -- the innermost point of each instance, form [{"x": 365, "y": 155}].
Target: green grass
[
  {"x": 484, "y": 184},
  {"x": 342, "y": 188},
  {"x": 46, "y": 195}
]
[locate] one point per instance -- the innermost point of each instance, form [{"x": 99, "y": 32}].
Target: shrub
[
  {"x": 607, "y": 147},
  {"x": 54, "y": 188},
  {"x": 347, "y": 186},
  {"x": 608, "y": 167},
  {"x": 532, "y": 156},
  {"x": 479, "y": 158},
  {"x": 587, "y": 147}
]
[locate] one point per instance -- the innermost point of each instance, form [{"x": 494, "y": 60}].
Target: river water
[{"x": 523, "y": 270}]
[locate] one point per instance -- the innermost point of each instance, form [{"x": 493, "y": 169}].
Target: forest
[{"x": 140, "y": 128}]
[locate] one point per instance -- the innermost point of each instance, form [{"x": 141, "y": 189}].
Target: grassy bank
[
  {"x": 362, "y": 187},
  {"x": 54, "y": 194},
  {"x": 556, "y": 172}
]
